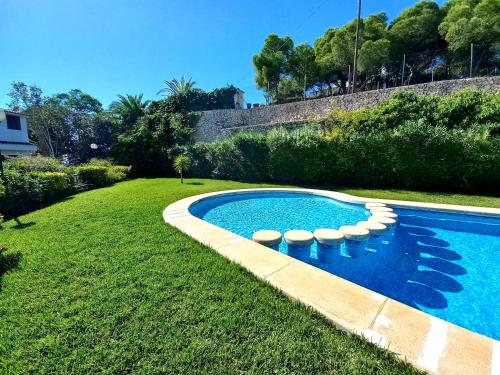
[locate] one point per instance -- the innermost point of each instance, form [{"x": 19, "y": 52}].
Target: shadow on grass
[
  {"x": 20, "y": 225},
  {"x": 195, "y": 183},
  {"x": 8, "y": 262}
]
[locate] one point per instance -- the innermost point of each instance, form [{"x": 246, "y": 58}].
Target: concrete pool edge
[{"x": 427, "y": 342}]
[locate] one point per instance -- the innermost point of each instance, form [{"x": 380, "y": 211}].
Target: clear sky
[{"x": 110, "y": 47}]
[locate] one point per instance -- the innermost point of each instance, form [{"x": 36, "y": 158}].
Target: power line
[{"x": 300, "y": 26}]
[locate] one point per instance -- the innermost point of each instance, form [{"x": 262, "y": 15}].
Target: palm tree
[
  {"x": 177, "y": 87},
  {"x": 182, "y": 165},
  {"x": 129, "y": 108}
]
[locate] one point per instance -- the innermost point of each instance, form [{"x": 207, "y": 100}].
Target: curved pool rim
[{"x": 436, "y": 345}]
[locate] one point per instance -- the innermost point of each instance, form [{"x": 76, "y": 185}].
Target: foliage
[
  {"x": 221, "y": 98},
  {"x": 129, "y": 108},
  {"x": 289, "y": 88},
  {"x": 23, "y": 96},
  {"x": 270, "y": 63},
  {"x": 472, "y": 21},
  {"x": 431, "y": 39},
  {"x": 36, "y": 164},
  {"x": 33, "y": 182},
  {"x": 463, "y": 109},
  {"x": 145, "y": 146},
  {"x": 182, "y": 165},
  {"x": 416, "y": 29},
  {"x": 408, "y": 141},
  {"x": 178, "y": 87},
  {"x": 65, "y": 124}
]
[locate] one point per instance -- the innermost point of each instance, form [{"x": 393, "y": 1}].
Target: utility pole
[
  {"x": 403, "y": 72},
  {"x": 348, "y": 88},
  {"x": 356, "y": 46},
  {"x": 305, "y": 85},
  {"x": 471, "y": 59}
]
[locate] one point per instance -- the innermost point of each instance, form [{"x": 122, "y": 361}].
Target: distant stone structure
[
  {"x": 219, "y": 124},
  {"x": 239, "y": 99}
]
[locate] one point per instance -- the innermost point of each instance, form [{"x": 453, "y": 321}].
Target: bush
[
  {"x": 464, "y": 109},
  {"x": 54, "y": 184},
  {"x": 202, "y": 166},
  {"x": 23, "y": 192},
  {"x": 469, "y": 108},
  {"x": 30, "y": 184},
  {"x": 36, "y": 164},
  {"x": 414, "y": 155},
  {"x": 297, "y": 156}
]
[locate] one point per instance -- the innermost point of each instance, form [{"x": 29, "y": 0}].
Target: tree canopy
[{"x": 429, "y": 39}]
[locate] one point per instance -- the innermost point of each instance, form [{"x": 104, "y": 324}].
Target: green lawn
[{"x": 98, "y": 283}]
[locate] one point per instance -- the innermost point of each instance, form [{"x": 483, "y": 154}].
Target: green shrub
[
  {"x": 100, "y": 162},
  {"x": 54, "y": 184},
  {"x": 253, "y": 155},
  {"x": 297, "y": 156},
  {"x": 117, "y": 173},
  {"x": 469, "y": 108},
  {"x": 30, "y": 184},
  {"x": 225, "y": 159},
  {"x": 36, "y": 164},
  {"x": 93, "y": 176},
  {"x": 202, "y": 165},
  {"x": 464, "y": 109},
  {"x": 414, "y": 155},
  {"x": 23, "y": 192}
]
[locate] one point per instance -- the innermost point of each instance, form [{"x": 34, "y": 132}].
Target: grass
[
  {"x": 98, "y": 283},
  {"x": 446, "y": 198}
]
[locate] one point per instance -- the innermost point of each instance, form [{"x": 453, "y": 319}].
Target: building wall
[
  {"x": 219, "y": 124},
  {"x": 10, "y": 135}
]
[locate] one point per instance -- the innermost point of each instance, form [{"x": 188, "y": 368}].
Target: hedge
[
  {"x": 30, "y": 183},
  {"x": 415, "y": 155}
]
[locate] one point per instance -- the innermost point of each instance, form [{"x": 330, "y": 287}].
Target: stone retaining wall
[{"x": 219, "y": 124}]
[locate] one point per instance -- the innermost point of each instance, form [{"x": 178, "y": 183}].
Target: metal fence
[{"x": 412, "y": 69}]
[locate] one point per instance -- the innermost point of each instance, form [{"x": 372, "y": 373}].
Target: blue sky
[{"x": 110, "y": 47}]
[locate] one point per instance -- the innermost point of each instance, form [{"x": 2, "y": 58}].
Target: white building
[{"x": 14, "y": 140}]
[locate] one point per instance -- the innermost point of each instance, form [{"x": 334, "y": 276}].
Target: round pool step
[
  {"x": 382, "y": 219},
  {"x": 267, "y": 237},
  {"x": 392, "y": 215},
  {"x": 299, "y": 237},
  {"x": 373, "y": 227},
  {"x": 354, "y": 233},
  {"x": 381, "y": 209},
  {"x": 326, "y": 236},
  {"x": 374, "y": 204}
]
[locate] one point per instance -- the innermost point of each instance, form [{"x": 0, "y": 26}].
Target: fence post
[
  {"x": 471, "y": 59},
  {"x": 348, "y": 88},
  {"x": 403, "y": 73}
]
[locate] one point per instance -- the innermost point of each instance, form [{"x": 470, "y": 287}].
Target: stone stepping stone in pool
[
  {"x": 381, "y": 209},
  {"x": 299, "y": 237},
  {"x": 373, "y": 227},
  {"x": 267, "y": 237},
  {"x": 326, "y": 236},
  {"x": 392, "y": 215},
  {"x": 354, "y": 233},
  {"x": 374, "y": 204},
  {"x": 382, "y": 219}
]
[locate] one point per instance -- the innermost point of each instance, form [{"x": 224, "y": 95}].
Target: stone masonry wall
[{"x": 218, "y": 124}]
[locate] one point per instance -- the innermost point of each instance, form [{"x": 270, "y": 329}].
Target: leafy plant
[{"x": 182, "y": 165}]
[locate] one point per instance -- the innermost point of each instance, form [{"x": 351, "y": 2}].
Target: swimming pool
[{"x": 445, "y": 264}]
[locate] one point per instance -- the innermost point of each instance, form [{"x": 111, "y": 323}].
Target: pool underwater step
[{"x": 408, "y": 332}]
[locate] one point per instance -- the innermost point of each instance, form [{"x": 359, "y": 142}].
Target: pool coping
[{"x": 429, "y": 343}]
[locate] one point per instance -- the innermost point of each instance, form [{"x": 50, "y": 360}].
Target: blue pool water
[{"x": 442, "y": 263}]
